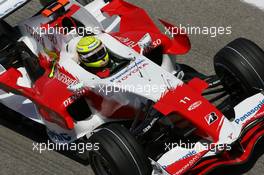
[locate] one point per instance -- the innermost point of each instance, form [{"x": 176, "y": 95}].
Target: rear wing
[{"x": 9, "y": 6}]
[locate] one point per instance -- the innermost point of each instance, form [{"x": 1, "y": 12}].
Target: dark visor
[{"x": 99, "y": 55}]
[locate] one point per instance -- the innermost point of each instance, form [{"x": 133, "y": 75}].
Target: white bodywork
[
  {"x": 7, "y": 6},
  {"x": 244, "y": 112},
  {"x": 140, "y": 73},
  {"x": 130, "y": 87}
]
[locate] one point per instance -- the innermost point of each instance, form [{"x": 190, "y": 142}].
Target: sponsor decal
[
  {"x": 65, "y": 79},
  {"x": 93, "y": 45},
  {"x": 194, "y": 105},
  {"x": 152, "y": 46},
  {"x": 146, "y": 129},
  {"x": 250, "y": 113},
  {"x": 130, "y": 71},
  {"x": 76, "y": 96},
  {"x": 59, "y": 136},
  {"x": 189, "y": 154},
  {"x": 127, "y": 41},
  {"x": 33, "y": 33},
  {"x": 130, "y": 43},
  {"x": 211, "y": 118},
  {"x": 188, "y": 165}
]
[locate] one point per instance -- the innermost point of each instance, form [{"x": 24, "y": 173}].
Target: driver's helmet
[{"x": 92, "y": 52}]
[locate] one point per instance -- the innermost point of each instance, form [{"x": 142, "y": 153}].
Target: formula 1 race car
[{"x": 151, "y": 115}]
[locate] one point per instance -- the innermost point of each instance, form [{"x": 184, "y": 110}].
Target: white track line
[{"x": 256, "y": 3}]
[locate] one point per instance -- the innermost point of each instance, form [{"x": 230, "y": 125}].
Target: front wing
[{"x": 231, "y": 141}]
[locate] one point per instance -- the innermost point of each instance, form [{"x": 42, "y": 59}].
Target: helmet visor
[{"x": 94, "y": 56}]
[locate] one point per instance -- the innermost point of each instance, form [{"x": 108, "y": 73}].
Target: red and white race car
[{"x": 151, "y": 115}]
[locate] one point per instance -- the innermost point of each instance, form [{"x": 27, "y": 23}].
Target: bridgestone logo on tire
[{"x": 211, "y": 118}]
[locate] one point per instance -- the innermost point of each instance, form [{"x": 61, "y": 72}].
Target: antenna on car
[
  {"x": 135, "y": 59},
  {"x": 143, "y": 43}
]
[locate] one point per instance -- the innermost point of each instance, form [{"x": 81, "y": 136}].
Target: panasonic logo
[
  {"x": 189, "y": 154},
  {"x": 250, "y": 113}
]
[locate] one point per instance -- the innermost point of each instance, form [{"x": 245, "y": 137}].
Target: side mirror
[
  {"x": 2, "y": 69},
  {"x": 145, "y": 42}
]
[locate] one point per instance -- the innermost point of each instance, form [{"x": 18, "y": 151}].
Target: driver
[{"x": 94, "y": 57}]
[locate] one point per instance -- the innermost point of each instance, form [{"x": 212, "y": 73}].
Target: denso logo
[{"x": 250, "y": 113}]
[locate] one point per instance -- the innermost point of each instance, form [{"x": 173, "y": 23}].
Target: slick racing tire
[
  {"x": 240, "y": 67},
  {"x": 8, "y": 54},
  {"x": 118, "y": 153}
]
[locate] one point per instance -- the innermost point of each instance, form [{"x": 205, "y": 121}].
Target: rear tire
[
  {"x": 8, "y": 54},
  {"x": 240, "y": 66},
  {"x": 118, "y": 154}
]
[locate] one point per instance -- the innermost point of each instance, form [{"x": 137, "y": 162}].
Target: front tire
[
  {"x": 118, "y": 154},
  {"x": 240, "y": 66}
]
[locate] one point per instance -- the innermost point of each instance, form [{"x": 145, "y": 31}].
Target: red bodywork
[
  {"x": 135, "y": 23},
  {"x": 180, "y": 99},
  {"x": 49, "y": 94},
  {"x": 248, "y": 143}
]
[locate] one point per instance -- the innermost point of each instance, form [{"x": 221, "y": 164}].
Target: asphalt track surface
[{"x": 17, "y": 135}]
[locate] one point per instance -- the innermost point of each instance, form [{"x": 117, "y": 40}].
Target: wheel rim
[{"x": 101, "y": 165}]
